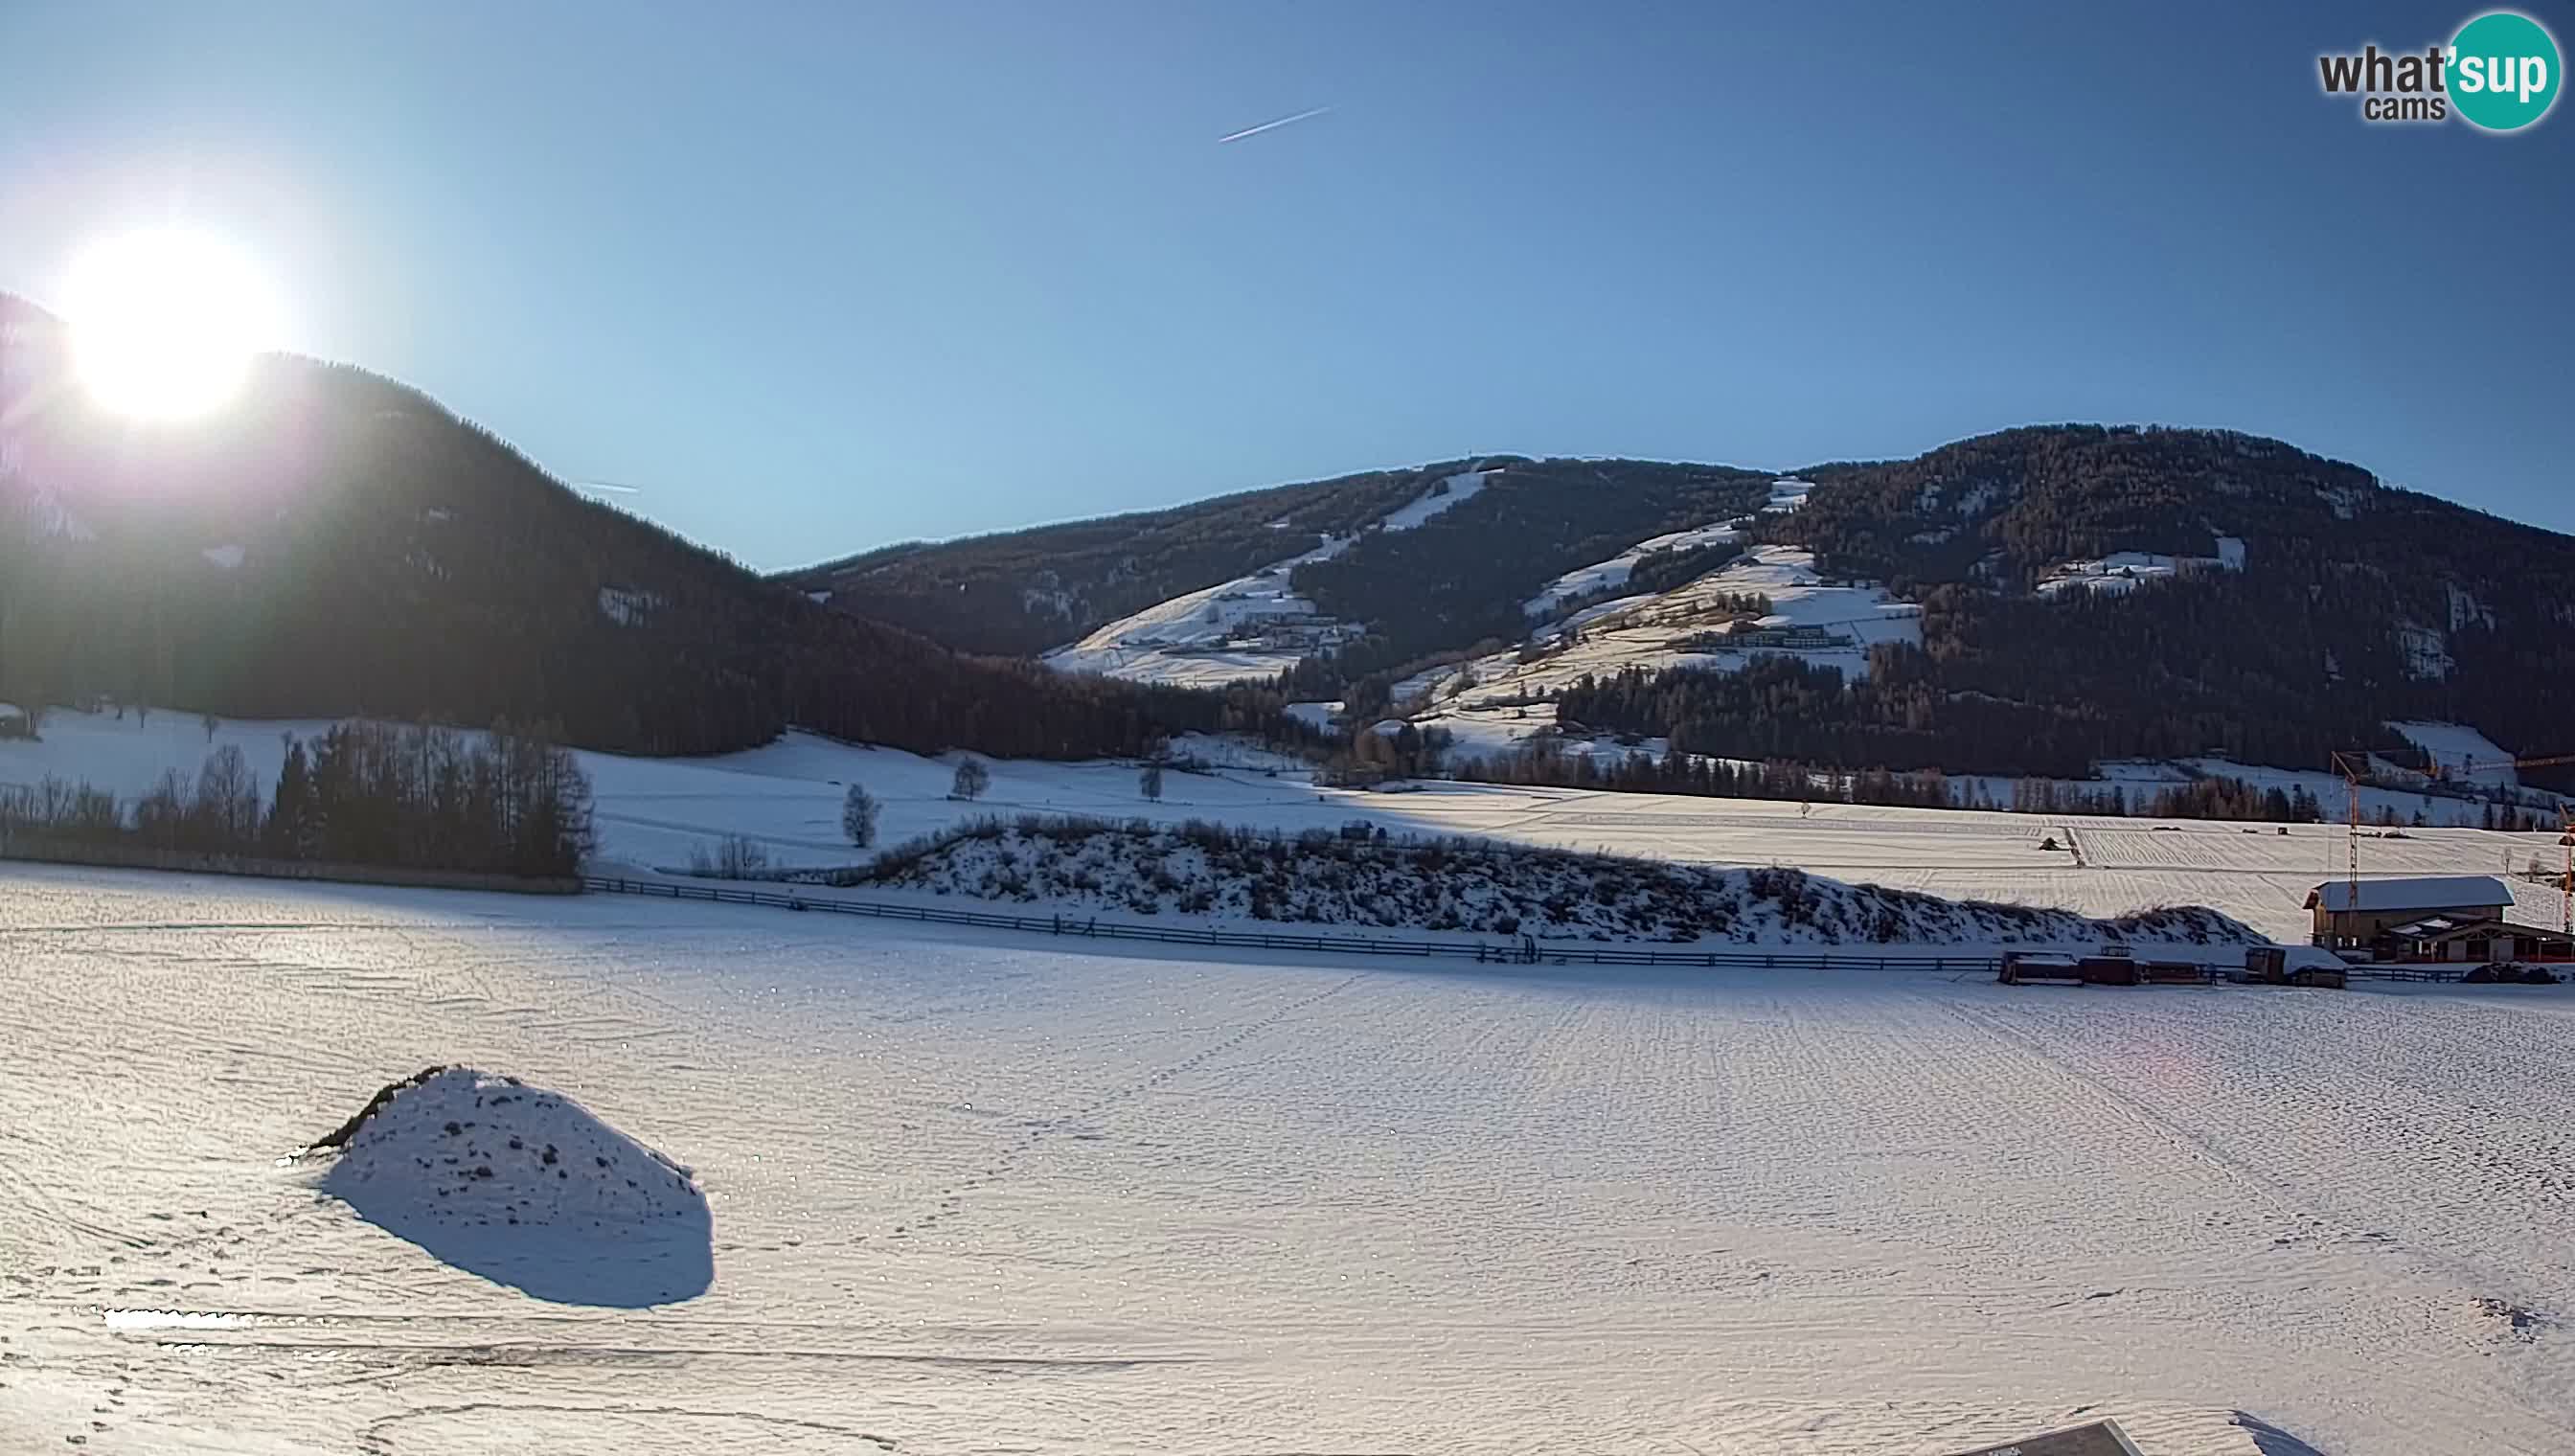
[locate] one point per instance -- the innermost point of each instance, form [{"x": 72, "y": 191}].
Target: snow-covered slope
[
  {"x": 1787, "y": 494},
  {"x": 2463, "y": 752},
  {"x": 1824, "y": 623},
  {"x": 1250, "y": 628},
  {"x": 1601, "y": 576}
]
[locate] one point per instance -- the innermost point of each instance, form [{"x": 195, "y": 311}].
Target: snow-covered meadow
[
  {"x": 973, "y": 1194},
  {"x": 787, "y": 795}
]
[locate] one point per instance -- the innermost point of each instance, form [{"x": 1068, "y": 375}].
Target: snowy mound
[
  {"x": 523, "y": 1186},
  {"x": 1091, "y": 867}
]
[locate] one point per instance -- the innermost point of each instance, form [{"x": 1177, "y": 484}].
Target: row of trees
[
  {"x": 1551, "y": 761},
  {"x": 360, "y": 794}
]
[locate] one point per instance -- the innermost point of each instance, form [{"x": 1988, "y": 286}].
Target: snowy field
[
  {"x": 978, "y": 1195},
  {"x": 650, "y": 812}
]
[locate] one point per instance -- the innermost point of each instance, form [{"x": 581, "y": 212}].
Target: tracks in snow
[{"x": 1033, "y": 1137}]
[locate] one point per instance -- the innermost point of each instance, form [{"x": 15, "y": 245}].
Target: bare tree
[
  {"x": 1150, "y": 782},
  {"x": 972, "y": 779},
  {"x": 226, "y": 813},
  {"x": 734, "y": 856},
  {"x": 211, "y": 722},
  {"x": 859, "y": 810}
]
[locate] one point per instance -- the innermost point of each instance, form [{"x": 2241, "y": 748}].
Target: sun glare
[{"x": 164, "y": 323}]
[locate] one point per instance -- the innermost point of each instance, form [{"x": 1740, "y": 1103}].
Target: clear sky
[{"x": 824, "y": 276}]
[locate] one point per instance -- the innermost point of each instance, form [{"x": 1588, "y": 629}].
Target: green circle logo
[{"x": 2503, "y": 71}]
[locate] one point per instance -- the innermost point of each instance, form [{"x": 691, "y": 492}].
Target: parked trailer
[
  {"x": 2109, "y": 971},
  {"x": 2022, "y": 968}
]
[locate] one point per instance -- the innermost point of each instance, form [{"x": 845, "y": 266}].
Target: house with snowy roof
[
  {"x": 2343, "y": 921},
  {"x": 2458, "y": 917}
]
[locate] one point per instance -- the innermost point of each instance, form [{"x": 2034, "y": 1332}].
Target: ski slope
[
  {"x": 1686, "y": 627},
  {"x": 1603, "y": 577},
  {"x": 2462, "y": 752},
  {"x": 1253, "y": 627},
  {"x": 970, "y": 1195}
]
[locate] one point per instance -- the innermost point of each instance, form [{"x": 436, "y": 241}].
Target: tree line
[
  {"x": 362, "y": 792},
  {"x": 1551, "y": 761}
]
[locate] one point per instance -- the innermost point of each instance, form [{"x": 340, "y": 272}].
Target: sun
[{"x": 165, "y": 322}]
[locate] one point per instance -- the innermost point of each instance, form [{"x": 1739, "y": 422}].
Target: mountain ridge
[
  {"x": 336, "y": 544},
  {"x": 2084, "y": 592}
]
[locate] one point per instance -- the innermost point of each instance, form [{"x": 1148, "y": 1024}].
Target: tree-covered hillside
[
  {"x": 1024, "y": 591},
  {"x": 333, "y": 544}
]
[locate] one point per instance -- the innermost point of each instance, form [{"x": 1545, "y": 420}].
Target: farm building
[
  {"x": 2445, "y": 938},
  {"x": 2343, "y": 923}
]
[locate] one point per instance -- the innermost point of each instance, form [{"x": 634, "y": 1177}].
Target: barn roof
[
  {"x": 2446, "y": 927},
  {"x": 2419, "y": 892}
]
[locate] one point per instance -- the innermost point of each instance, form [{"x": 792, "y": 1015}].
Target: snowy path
[{"x": 981, "y": 1195}]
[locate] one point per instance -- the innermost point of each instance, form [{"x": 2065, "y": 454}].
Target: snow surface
[
  {"x": 2121, "y": 571},
  {"x": 2462, "y": 750},
  {"x": 2417, "y": 892},
  {"x": 1461, "y": 489},
  {"x": 1250, "y": 628},
  {"x": 979, "y": 1194},
  {"x": 1604, "y": 575},
  {"x": 525, "y": 1187},
  {"x": 787, "y": 795},
  {"x": 1787, "y": 494}
]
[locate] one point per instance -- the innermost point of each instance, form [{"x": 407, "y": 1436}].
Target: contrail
[
  {"x": 606, "y": 486},
  {"x": 1254, "y": 130}
]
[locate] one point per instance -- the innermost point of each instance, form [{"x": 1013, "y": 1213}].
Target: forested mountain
[
  {"x": 2085, "y": 592},
  {"x": 1024, "y": 591},
  {"x": 2312, "y": 604},
  {"x": 334, "y": 544},
  {"x": 1462, "y": 578},
  {"x": 1457, "y": 578}
]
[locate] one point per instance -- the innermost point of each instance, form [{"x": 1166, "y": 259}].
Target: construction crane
[{"x": 2356, "y": 766}]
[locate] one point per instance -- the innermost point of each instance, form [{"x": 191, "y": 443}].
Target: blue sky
[{"x": 826, "y": 276}]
